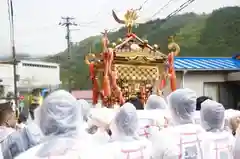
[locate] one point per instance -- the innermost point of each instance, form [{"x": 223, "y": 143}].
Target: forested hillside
[{"x": 216, "y": 34}]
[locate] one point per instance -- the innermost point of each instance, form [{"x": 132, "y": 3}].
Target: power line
[
  {"x": 162, "y": 8},
  {"x": 98, "y": 13},
  {"x": 89, "y": 24},
  {"x": 183, "y": 6},
  {"x": 141, "y": 6}
]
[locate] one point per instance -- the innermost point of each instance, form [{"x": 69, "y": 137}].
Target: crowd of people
[{"x": 181, "y": 126}]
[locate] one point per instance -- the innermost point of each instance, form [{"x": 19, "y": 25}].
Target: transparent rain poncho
[
  {"x": 99, "y": 135},
  {"x": 155, "y": 102},
  {"x": 59, "y": 114},
  {"x": 215, "y": 139},
  {"x": 21, "y": 140},
  {"x": 184, "y": 133},
  {"x": 1, "y": 155},
  {"x": 59, "y": 118},
  {"x": 154, "y": 117},
  {"x": 200, "y": 100},
  {"x": 98, "y": 124},
  {"x": 236, "y": 148},
  {"x": 101, "y": 117},
  {"x": 212, "y": 115},
  {"x": 125, "y": 142},
  {"x": 182, "y": 105},
  {"x": 85, "y": 109},
  {"x": 14, "y": 141},
  {"x": 125, "y": 122},
  {"x": 232, "y": 118}
]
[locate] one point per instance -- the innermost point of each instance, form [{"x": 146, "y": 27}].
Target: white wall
[
  {"x": 234, "y": 76},
  {"x": 32, "y": 71},
  {"x": 195, "y": 80},
  {"x": 6, "y": 74},
  {"x": 36, "y": 75}
]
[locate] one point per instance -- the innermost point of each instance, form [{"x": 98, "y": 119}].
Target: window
[
  {"x": 212, "y": 90},
  {"x": 38, "y": 65},
  {"x": 1, "y": 91}
]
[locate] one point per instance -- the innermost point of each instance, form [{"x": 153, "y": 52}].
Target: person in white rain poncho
[
  {"x": 180, "y": 141},
  {"x": 98, "y": 123},
  {"x": 217, "y": 143},
  {"x": 1, "y": 155},
  {"x": 85, "y": 110},
  {"x": 232, "y": 120},
  {"x": 154, "y": 117},
  {"x": 7, "y": 120},
  {"x": 13, "y": 141},
  {"x": 21, "y": 140},
  {"x": 200, "y": 100},
  {"x": 125, "y": 143},
  {"x": 236, "y": 148},
  {"x": 155, "y": 102},
  {"x": 96, "y": 134},
  {"x": 59, "y": 118}
]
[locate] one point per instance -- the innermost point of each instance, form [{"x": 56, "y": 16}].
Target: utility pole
[
  {"x": 67, "y": 22},
  {"x": 14, "y": 60}
]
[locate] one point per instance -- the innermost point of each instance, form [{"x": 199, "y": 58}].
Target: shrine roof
[{"x": 132, "y": 46}]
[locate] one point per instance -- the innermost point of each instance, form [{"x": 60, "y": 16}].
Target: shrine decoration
[{"x": 129, "y": 66}]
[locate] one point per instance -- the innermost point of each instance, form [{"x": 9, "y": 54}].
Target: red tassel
[
  {"x": 95, "y": 91},
  {"x": 91, "y": 70},
  {"x": 172, "y": 72},
  {"x": 173, "y": 81},
  {"x": 121, "y": 101},
  {"x": 163, "y": 84},
  {"x": 95, "y": 84},
  {"x": 106, "y": 86}
]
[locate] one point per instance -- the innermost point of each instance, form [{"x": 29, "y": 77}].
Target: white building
[
  {"x": 218, "y": 78},
  {"x": 32, "y": 74}
]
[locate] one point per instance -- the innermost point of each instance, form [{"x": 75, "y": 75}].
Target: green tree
[
  {"x": 215, "y": 34},
  {"x": 221, "y": 35}
]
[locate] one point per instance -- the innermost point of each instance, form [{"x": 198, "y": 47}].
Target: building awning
[
  {"x": 37, "y": 84},
  {"x": 233, "y": 76},
  {"x": 207, "y": 63}
]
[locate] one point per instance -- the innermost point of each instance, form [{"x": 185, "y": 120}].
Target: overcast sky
[{"x": 38, "y": 32}]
